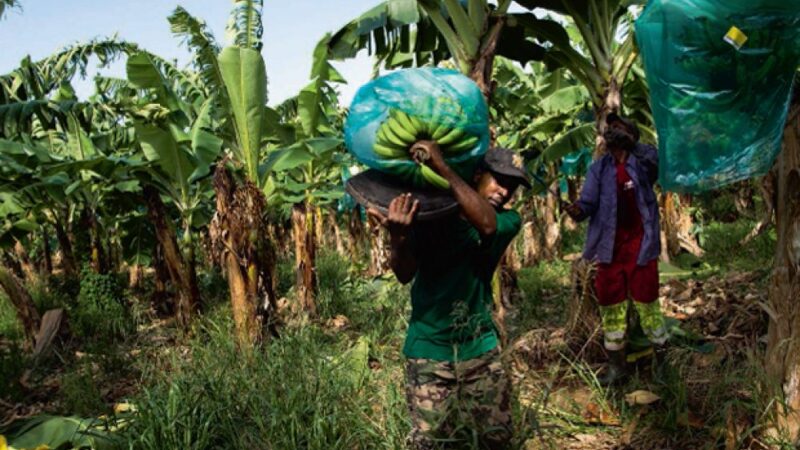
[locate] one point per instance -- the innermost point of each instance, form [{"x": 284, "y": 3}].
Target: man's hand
[
  {"x": 573, "y": 210},
  {"x": 401, "y": 215},
  {"x": 428, "y": 152},
  {"x": 402, "y": 210}
]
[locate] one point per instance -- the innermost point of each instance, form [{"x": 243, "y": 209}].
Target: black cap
[
  {"x": 505, "y": 162},
  {"x": 631, "y": 127}
]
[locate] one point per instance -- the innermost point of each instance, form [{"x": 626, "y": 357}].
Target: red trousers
[{"x": 623, "y": 278}]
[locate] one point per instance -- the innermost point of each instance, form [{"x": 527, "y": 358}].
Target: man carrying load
[{"x": 456, "y": 385}]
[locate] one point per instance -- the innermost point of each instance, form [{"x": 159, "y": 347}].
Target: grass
[
  {"x": 10, "y": 328},
  {"x": 543, "y": 291},
  {"x": 721, "y": 242},
  {"x": 301, "y": 391}
]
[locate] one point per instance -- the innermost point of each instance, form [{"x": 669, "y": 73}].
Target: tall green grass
[
  {"x": 307, "y": 389},
  {"x": 291, "y": 394}
]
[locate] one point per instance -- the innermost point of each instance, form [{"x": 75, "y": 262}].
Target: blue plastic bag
[
  {"x": 429, "y": 94},
  {"x": 720, "y": 75}
]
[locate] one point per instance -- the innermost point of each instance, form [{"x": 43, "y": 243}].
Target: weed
[{"x": 100, "y": 311}]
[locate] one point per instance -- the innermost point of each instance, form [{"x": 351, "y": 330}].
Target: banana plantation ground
[{"x": 337, "y": 381}]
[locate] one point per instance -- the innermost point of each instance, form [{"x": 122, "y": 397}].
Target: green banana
[
  {"x": 433, "y": 178},
  {"x": 421, "y": 127},
  {"x": 397, "y": 128},
  {"x": 439, "y": 131},
  {"x": 453, "y": 136},
  {"x": 463, "y": 145},
  {"x": 392, "y": 137},
  {"x": 388, "y": 152},
  {"x": 405, "y": 121},
  {"x": 380, "y": 137}
]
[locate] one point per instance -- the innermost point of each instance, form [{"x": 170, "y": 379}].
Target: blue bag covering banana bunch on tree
[
  {"x": 389, "y": 114},
  {"x": 720, "y": 75}
]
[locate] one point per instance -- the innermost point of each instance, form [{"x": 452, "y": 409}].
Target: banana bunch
[{"x": 400, "y": 131}]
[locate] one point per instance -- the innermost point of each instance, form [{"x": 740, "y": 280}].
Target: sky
[{"x": 291, "y": 31}]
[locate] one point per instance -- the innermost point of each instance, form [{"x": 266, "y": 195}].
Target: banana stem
[{"x": 419, "y": 154}]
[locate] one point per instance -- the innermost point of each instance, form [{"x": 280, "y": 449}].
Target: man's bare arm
[{"x": 476, "y": 209}]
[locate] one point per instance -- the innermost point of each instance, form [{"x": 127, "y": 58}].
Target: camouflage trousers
[{"x": 461, "y": 405}]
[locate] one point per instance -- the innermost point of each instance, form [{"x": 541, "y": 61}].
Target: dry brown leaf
[
  {"x": 641, "y": 397},
  {"x": 595, "y": 415},
  {"x": 338, "y": 323},
  {"x": 630, "y": 428}
]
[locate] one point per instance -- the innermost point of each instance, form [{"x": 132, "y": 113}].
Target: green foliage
[
  {"x": 245, "y": 77},
  {"x": 80, "y": 392},
  {"x": 332, "y": 279},
  {"x": 13, "y": 363},
  {"x": 285, "y": 275},
  {"x": 213, "y": 286},
  {"x": 543, "y": 289},
  {"x": 222, "y": 398},
  {"x": 542, "y": 280},
  {"x": 100, "y": 311},
  {"x": 64, "y": 433},
  {"x": 723, "y": 208},
  {"x": 54, "y": 292},
  {"x": 721, "y": 241},
  {"x": 572, "y": 240},
  {"x": 9, "y": 325}
]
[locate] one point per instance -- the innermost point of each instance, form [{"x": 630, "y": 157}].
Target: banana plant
[
  {"x": 37, "y": 103},
  {"x": 600, "y": 55},
  {"x": 37, "y": 80},
  {"x": 403, "y": 33},
  {"x": 36, "y": 185},
  {"x": 306, "y": 165},
  {"x": 6, "y": 5},
  {"x": 547, "y": 115},
  {"x": 68, "y": 173},
  {"x": 181, "y": 164},
  {"x": 235, "y": 82}
]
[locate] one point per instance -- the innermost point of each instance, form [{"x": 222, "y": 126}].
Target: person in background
[{"x": 623, "y": 239}]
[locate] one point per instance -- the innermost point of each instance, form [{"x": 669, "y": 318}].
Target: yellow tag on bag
[{"x": 736, "y": 37}]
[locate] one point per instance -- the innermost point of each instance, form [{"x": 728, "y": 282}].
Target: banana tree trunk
[
  {"x": 483, "y": 68},
  {"x": 23, "y": 305},
  {"x": 67, "y": 257},
  {"x": 25, "y": 264},
  {"x": 378, "y": 253},
  {"x": 333, "y": 224},
  {"x": 97, "y": 258},
  {"x": 677, "y": 226},
  {"x": 191, "y": 267},
  {"x": 531, "y": 247},
  {"x": 610, "y": 102},
  {"x": 47, "y": 252},
  {"x": 188, "y": 296},
  {"x": 237, "y": 233},
  {"x": 134, "y": 276},
  {"x": 783, "y": 344},
  {"x": 160, "y": 296},
  {"x": 356, "y": 233},
  {"x": 768, "y": 187},
  {"x": 305, "y": 253},
  {"x": 552, "y": 230},
  {"x": 320, "y": 236}
]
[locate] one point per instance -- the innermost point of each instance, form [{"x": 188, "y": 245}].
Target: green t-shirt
[{"x": 451, "y": 298}]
